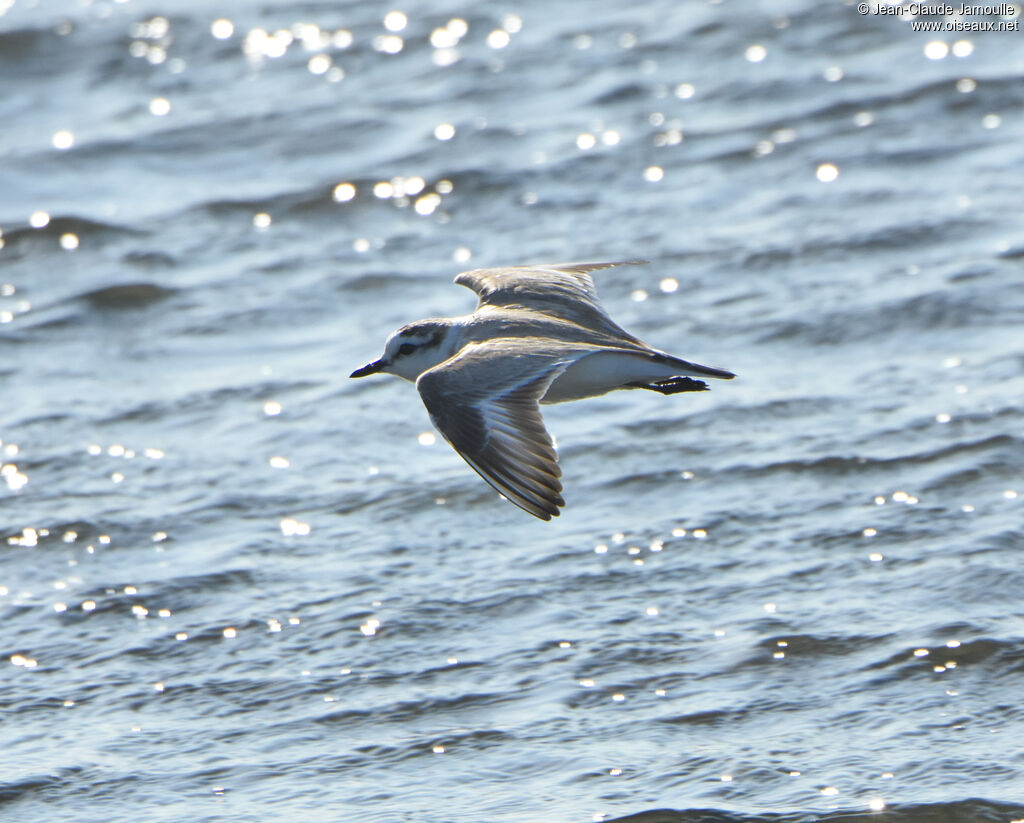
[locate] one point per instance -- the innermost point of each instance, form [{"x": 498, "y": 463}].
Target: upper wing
[
  {"x": 562, "y": 290},
  {"x": 485, "y": 403}
]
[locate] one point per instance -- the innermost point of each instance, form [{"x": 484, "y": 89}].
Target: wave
[
  {"x": 974, "y": 810},
  {"x": 81, "y": 227},
  {"x": 923, "y": 313}
]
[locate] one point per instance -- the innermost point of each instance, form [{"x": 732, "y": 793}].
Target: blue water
[{"x": 236, "y": 585}]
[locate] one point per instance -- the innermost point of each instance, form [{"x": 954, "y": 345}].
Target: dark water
[{"x": 237, "y": 586}]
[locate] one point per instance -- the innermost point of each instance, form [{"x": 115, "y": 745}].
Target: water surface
[{"x": 236, "y": 584}]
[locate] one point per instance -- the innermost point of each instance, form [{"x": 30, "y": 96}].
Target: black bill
[{"x": 369, "y": 368}]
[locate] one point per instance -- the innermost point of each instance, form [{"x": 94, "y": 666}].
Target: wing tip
[
  {"x": 541, "y": 512},
  {"x": 692, "y": 368},
  {"x": 542, "y": 503},
  {"x": 544, "y": 515},
  {"x": 466, "y": 278},
  {"x": 586, "y": 267}
]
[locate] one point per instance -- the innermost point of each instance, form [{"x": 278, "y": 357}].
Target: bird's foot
[{"x": 675, "y": 385}]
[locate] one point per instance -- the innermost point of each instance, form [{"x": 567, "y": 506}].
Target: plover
[{"x": 538, "y": 335}]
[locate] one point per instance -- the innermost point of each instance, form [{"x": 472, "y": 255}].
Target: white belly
[{"x": 605, "y": 371}]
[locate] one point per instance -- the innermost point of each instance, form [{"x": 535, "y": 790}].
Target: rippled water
[{"x": 237, "y": 585}]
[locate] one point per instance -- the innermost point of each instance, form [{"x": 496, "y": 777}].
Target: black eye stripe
[{"x": 407, "y": 348}]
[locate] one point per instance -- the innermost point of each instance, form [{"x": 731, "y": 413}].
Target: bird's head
[{"x": 413, "y": 349}]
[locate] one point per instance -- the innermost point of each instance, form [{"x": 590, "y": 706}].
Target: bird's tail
[{"x": 688, "y": 368}]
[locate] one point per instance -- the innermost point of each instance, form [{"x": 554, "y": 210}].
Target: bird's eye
[{"x": 407, "y": 348}]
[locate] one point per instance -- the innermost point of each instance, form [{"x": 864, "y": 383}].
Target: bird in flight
[{"x": 538, "y": 335}]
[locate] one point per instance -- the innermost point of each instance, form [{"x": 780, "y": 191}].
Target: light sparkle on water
[
  {"x": 395, "y": 21},
  {"x": 344, "y": 192},
  {"x": 756, "y": 53},
  {"x": 827, "y": 172},
  {"x": 291, "y": 527},
  {"x": 222, "y": 29},
  {"x": 63, "y": 139}
]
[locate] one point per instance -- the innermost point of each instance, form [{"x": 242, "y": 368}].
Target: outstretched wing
[
  {"x": 485, "y": 403},
  {"x": 562, "y": 290}
]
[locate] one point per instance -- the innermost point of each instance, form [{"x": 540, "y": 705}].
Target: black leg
[{"x": 674, "y": 385}]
